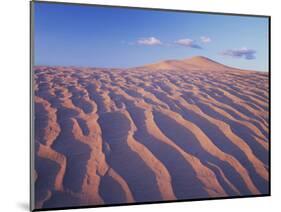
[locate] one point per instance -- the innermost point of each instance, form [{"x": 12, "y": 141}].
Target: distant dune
[
  {"x": 177, "y": 129},
  {"x": 194, "y": 63}
]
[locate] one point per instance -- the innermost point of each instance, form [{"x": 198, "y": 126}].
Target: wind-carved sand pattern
[{"x": 178, "y": 129}]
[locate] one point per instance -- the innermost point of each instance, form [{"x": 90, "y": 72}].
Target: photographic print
[{"x": 134, "y": 105}]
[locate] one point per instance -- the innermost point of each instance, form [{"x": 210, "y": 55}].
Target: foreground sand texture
[{"x": 177, "y": 129}]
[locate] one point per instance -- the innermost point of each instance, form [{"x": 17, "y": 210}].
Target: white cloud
[
  {"x": 248, "y": 54},
  {"x": 187, "y": 42},
  {"x": 150, "y": 41},
  {"x": 205, "y": 39}
]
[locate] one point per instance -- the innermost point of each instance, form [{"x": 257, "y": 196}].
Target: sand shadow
[{"x": 140, "y": 178}]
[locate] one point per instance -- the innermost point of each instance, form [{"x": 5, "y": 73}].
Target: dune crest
[
  {"x": 193, "y": 63},
  {"x": 176, "y": 129}
]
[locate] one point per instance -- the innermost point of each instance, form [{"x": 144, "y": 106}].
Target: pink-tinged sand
[{"x": 177, "y": 129}]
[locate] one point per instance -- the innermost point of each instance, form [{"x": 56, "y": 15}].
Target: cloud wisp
[
  {"x": 187, "y": 42},
  {"x": 205, "y": 39},
  {"x": 150, "y": 41},
  {"x": 248, "y": 54}
]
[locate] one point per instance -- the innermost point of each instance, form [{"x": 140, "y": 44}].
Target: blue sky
[{"x": 78, "y": 35}]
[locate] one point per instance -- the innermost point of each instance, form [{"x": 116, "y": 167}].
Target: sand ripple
[{"x": 161, "y": 132}]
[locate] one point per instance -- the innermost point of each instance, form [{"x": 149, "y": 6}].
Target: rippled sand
[{"x": 171, "y": 130}]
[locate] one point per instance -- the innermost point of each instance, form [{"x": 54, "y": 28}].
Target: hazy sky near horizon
[{"x": 78, "y": 35}]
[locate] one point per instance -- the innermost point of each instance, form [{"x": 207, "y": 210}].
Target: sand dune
[{"x": 177, "y": 129}]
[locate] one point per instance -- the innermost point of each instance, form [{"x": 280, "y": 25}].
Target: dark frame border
[{"x": 31, "y": 108}]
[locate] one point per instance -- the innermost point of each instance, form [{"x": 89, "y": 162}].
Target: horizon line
[{"x": 143, "y": 65}]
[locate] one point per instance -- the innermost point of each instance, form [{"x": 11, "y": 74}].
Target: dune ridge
[
  {"x": 196, "y": 63},
  {"x": 177, "y": 129}
]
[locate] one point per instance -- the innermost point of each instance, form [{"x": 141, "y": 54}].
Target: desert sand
[{"x": 173, "y": 130}]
